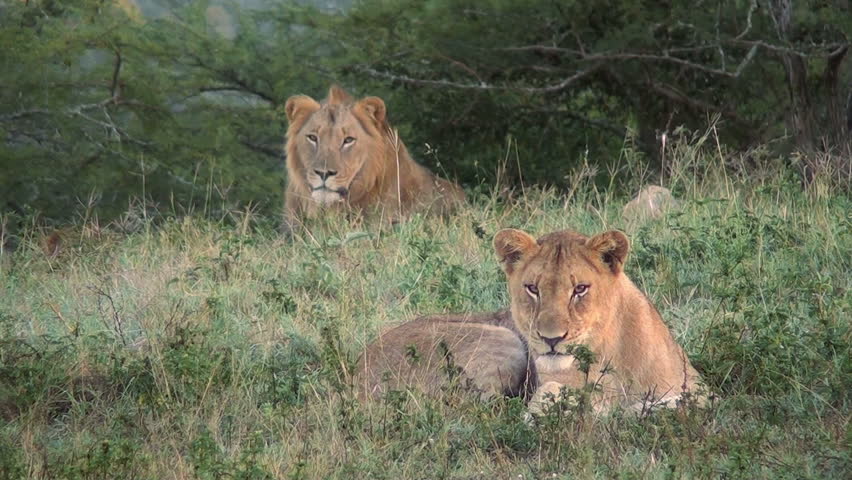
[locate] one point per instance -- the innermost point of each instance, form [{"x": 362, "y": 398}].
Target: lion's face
[
  {"x": 561, "y": 285},
  {"x": 334, "y": 141}
]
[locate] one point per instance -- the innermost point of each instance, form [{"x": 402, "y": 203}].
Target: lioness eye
[
  {"x": 312, "y": 138},
  {"x": 531, "y": 289},
  {"x": 348, "y": 140},
  {"x": 581, "y": 290}
]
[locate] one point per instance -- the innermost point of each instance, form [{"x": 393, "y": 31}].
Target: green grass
[{"x": 192, "y": 348}]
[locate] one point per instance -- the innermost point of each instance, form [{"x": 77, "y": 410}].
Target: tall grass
[{"x": 167, "y": 346}]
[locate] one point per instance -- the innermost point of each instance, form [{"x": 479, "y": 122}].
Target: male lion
[
  {"x": 344, "y": 152},
  {"x": 566, "y": 290}
]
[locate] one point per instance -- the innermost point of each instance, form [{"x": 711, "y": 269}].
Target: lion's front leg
[
  {"x": 294, "y": 210},
  {"x": 545, "y": 396}
]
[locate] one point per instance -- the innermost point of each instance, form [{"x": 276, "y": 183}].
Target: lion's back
[{"x": 432, "y": 353}]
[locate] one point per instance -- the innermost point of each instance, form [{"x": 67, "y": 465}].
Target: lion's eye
[
  {"x": 532, "y": 289},
  {"x": 312, "y": 138},
  {"x": 581, "y": 290},
  {"x": 348, "y": 141}
]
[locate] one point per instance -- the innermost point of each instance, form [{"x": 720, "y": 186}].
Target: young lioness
[{"x": 566, "y": 290}]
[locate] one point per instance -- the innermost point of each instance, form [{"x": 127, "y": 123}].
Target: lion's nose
[
  {"x": 324, "y": 174},
  {"x": 552, "y": 341}
]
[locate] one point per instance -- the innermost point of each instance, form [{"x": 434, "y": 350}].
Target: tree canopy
[{"x": 103, "y": 101}]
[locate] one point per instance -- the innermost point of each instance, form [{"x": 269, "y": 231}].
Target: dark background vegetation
[{"x": 180, "y": 102}]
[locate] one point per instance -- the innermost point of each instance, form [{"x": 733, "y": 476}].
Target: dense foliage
[
  {"x": 179, "y": 102},
  {"x": 101, "y": 102}
]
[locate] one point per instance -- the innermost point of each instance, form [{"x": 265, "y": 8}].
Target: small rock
[{"x": 651, "y": 202}]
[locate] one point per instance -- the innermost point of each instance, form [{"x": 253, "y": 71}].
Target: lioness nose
[
  {"x": 324, "y": 174},
  {"x": 553, "y": 341}
]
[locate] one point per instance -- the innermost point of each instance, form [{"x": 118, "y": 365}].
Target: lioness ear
[
  {"x": 337, "y": 95},
  {"x": 300, "y": 105},
  {"x": 612, "y": 247},
  {"x": 510, "y": 245},
  {"x": 375, "y": 108}
]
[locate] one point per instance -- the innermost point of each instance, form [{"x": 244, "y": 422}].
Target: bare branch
[
  {"x": 24, "y": 113},
  {"x": 248, "y": 88},
  {"x": 462, "y": 66},
  {"x": 231, "y": 88},
  {"x": 482, "y": 85},
  {"x": 674, "y": 94},
  {"x": 237, "y": 83},
  {"x": 115, "y": 90},
  {"x": 751, "y": 9},
  {"x": 544, "y": 49},
  {"x": 822, "y": 50},
  {"x": 849, "y": 112},
  {"x": 622, "y": 56},
  {"x": 679, "y": 61},
  {"x": 43, "y": 111}
]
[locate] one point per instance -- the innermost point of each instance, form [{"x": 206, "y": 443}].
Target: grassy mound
[{"x": 182, "y": 347}]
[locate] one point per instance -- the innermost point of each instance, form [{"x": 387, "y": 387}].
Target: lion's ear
[
  {"x": 511, "y": 245},
  {"x": 337, "y": 95},
  {"x": 612, "y": 247},
  {"x": 375, "y": 108},
  {"x": 298, "y": 106}
]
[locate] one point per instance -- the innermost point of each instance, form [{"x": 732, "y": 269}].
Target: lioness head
[
  {"x": 334, "y": 142},
  {"x": 562, "y": 285}
]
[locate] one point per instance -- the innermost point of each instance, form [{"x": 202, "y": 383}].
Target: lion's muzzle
[
  {"x": 324, "y": 195},
  {"x": 323, "y": 188}
]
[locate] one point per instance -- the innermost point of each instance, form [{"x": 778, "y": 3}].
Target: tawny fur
[
  {"x": 491, "y": 355},
  {"x": 376, "y": 170},
  {"x": 637, "y": 362}
]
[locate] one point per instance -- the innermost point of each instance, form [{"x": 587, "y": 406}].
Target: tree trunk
[
  {"x": 801, "y": 116},
  {"x": 840, "y": 129},
  {"x": 816, "y": 104}
]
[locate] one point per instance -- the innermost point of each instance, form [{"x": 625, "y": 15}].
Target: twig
[{"x": 116, "y": 316}]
